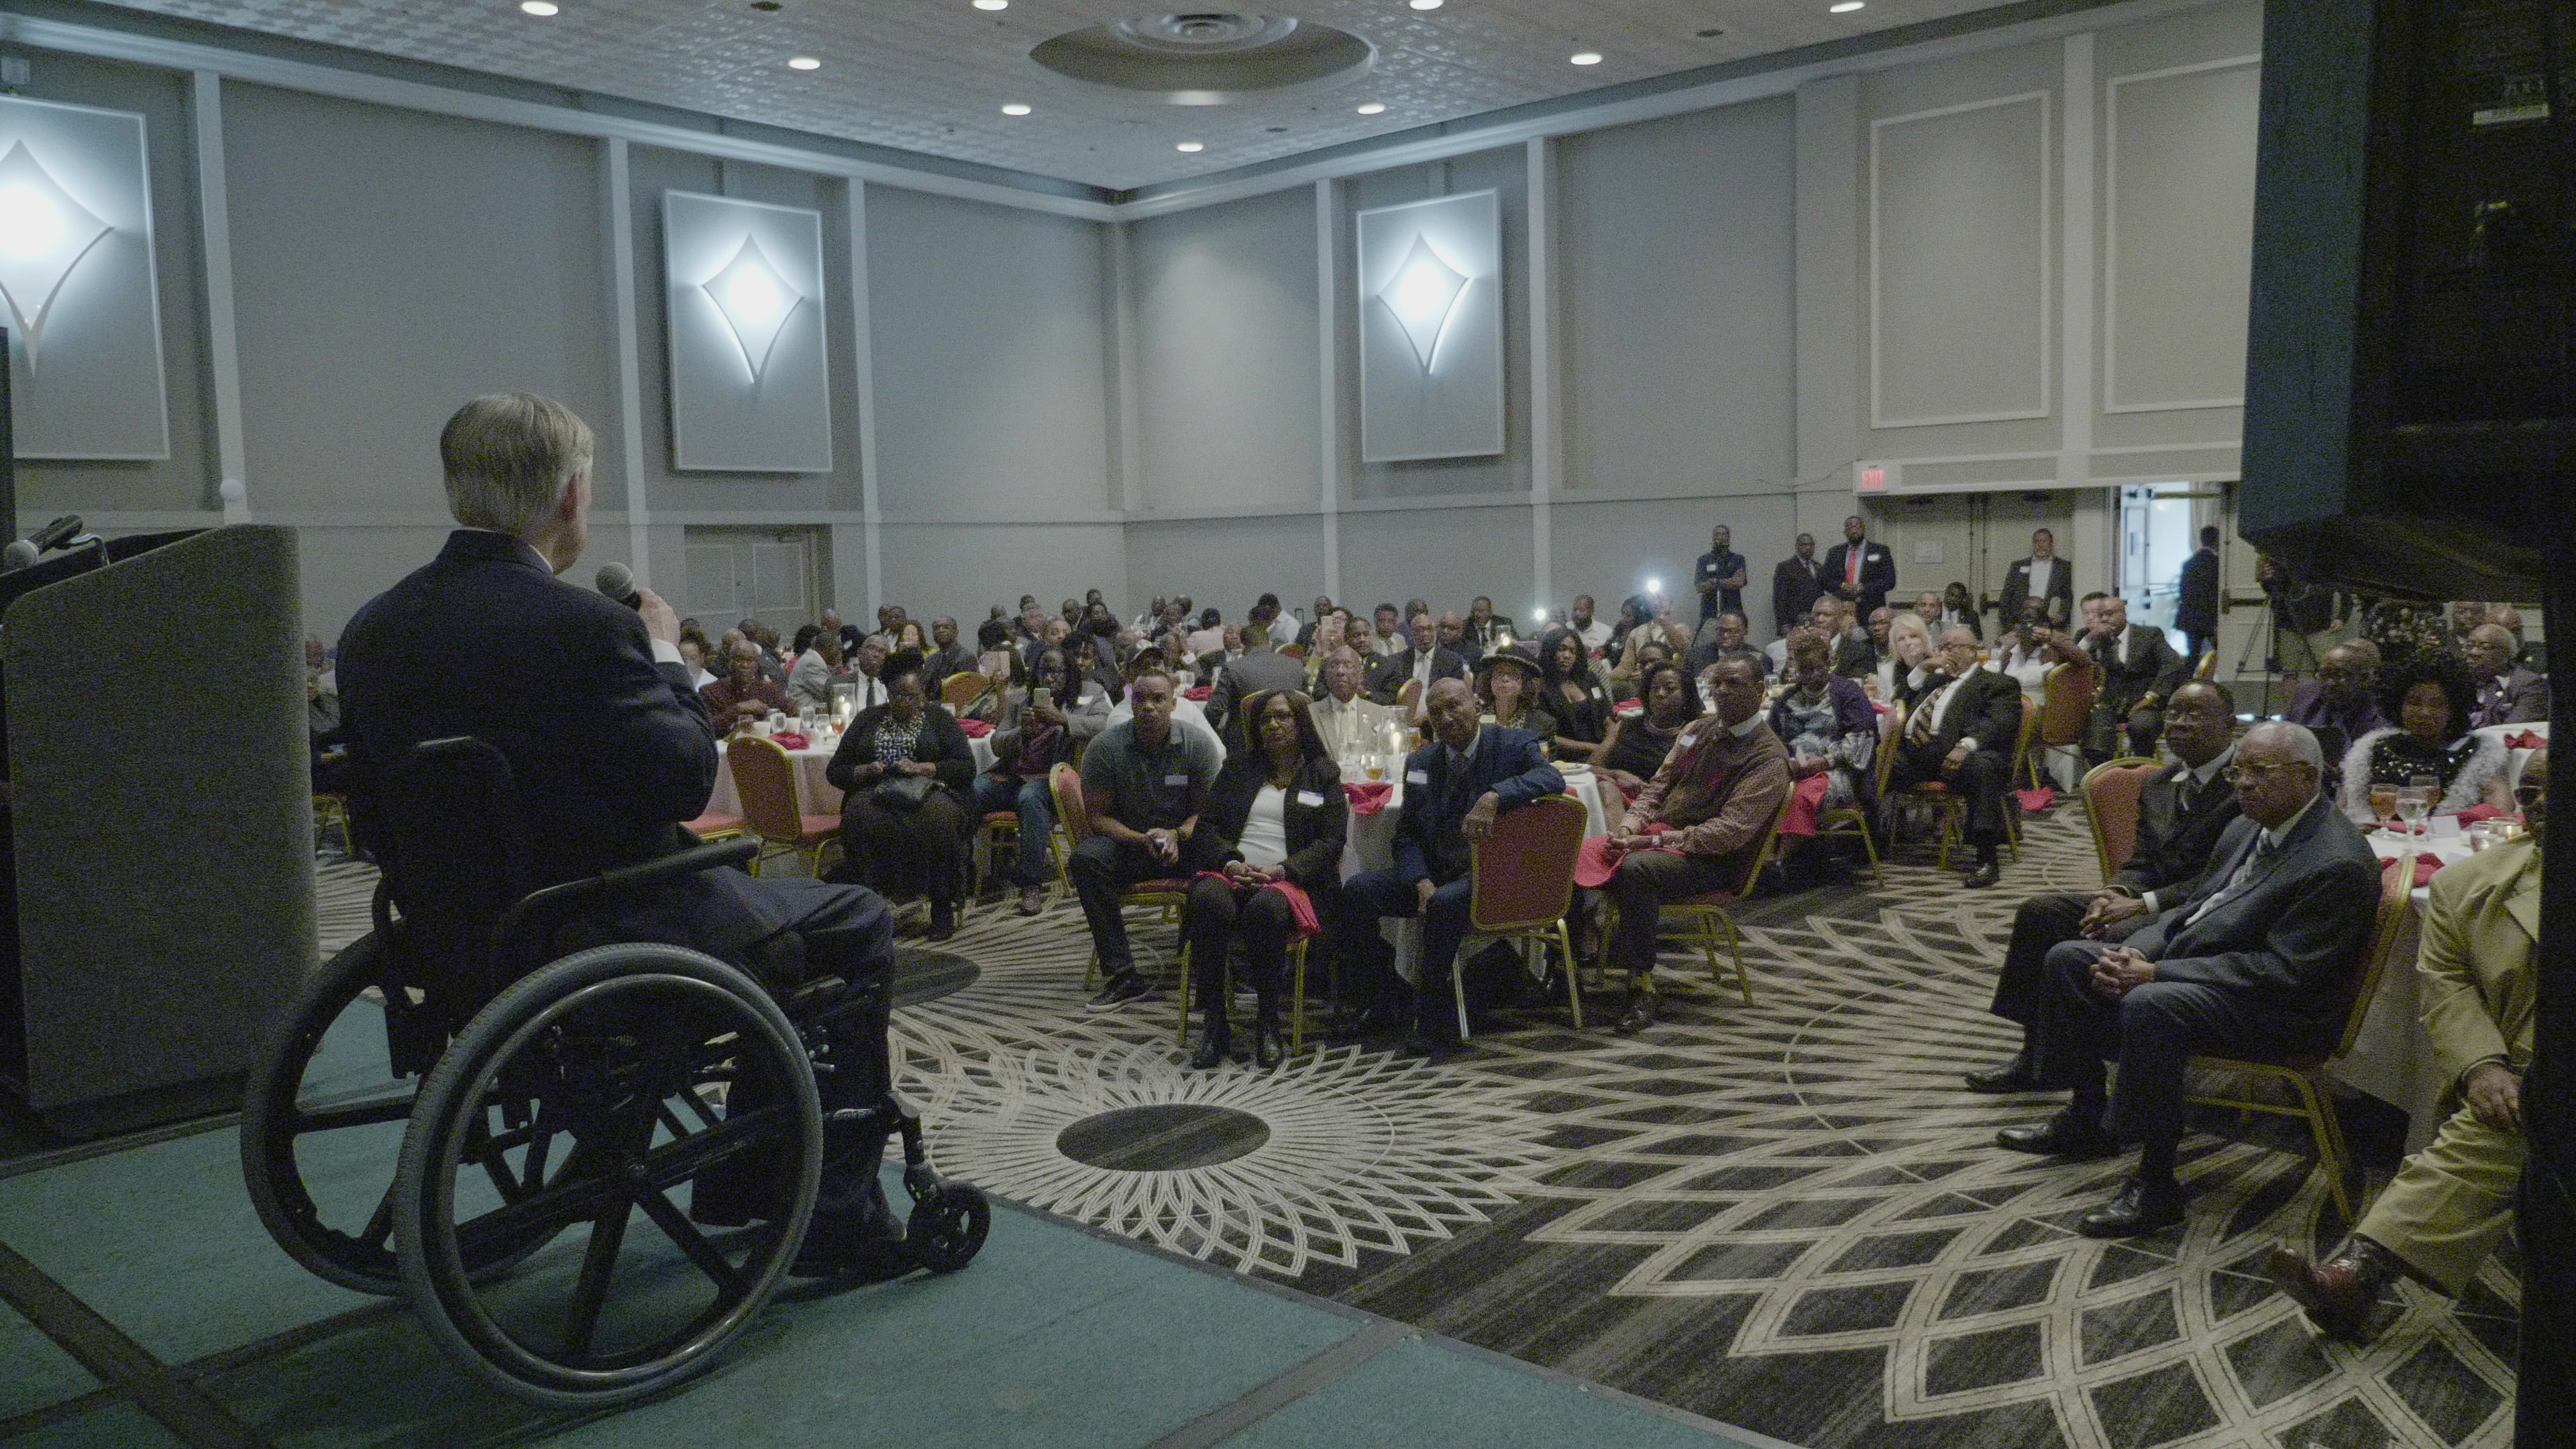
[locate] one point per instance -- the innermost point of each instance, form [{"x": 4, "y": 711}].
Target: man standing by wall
[
  {"x": 1859, "y": 571},
  {"x": 1720, "y": 576},
  {"x": 2042, "y": 576},
  {"x": 2196, "y": 599},
  {"x": 1795, "y": 582}
]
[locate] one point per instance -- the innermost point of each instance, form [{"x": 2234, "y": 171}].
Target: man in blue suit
[
  {"x": 1453, "y": 789},
  {"x": 610, "y": 749}
]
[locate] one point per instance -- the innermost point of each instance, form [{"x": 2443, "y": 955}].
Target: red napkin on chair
[
  {"x": 1199, "y": 692},
  {"x": 1301, "y": 907},
  {"x": 1368, "y": 797},
  {"x": 1805, "y": 796},
  {"x": 2480, "y": 811},
  {"x": 975, "y": 729},
  {"x": 1596, "y": 862},
  {"x": 2036, "y": 799},
  {"x": 2525, "y": 741}
]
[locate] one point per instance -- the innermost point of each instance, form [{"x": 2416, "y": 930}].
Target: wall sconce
[
  {"x": 1430, "y": 303},
  {"x": 1422, "y": 295},
  {"x": 44, "y": 234},
  {"x": 756, "y": 302}
]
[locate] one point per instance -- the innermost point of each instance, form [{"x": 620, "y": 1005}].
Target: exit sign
[{"x": 1873, "y": 480}]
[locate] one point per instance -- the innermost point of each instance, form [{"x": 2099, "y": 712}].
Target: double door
[{"x": 769, "y": 574}]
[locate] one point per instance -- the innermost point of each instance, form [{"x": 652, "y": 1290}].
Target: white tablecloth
[
  {"x": 2392, "y": 1059},
  {"x": 1371, "y": 846},
  {"x": 814, "y": 794}
]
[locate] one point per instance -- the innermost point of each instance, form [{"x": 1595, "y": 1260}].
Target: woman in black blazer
[
  {"x": 904, "y": 769},
  {"x": 1275, "y": 813}
]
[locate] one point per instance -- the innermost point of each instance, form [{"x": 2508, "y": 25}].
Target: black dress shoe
[
  {"x": 943, "y": 920},
  {"x": 1432, "y": 1045},
  {"x": 1987, "y": 873},
  {"x": 1268, "y": 1050},
  {"x": 1121, "y": 987},
  {"x": 1639, "y": 1015},
  {"x": 852, "y": 1247},
  {"x": 2018, "y": 1075},
  {"x": 2138, "y": 1207},
  {"x": 1213, "y": 1049},
  {"x": 2065, "y": 1135}
]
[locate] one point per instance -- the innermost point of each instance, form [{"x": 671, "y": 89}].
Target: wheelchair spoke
[
  {"x": 676, "y": 1226},
  {"x": 380, "y": 1223},
  {"x": 557, "y": 1207},
  {"x": 354, "y": 1114},
  {"x": 598, "y": 1263}
]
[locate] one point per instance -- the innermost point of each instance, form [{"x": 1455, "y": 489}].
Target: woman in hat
[{"x": 1508, "y": 680}]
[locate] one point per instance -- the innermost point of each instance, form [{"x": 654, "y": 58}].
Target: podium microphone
[
  {"x": 57, "y": 533},
  {"x": 617, "y": 581},
  {"x": 17, "y": 555}
]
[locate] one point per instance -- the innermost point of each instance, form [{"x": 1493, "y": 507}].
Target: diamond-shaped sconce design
[
  {"x": 1422, "y": 294},
  {"x": 44, "y": 233},
  {"x": 756, "y": 302}
]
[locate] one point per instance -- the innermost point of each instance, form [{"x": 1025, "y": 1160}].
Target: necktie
[
  {"x": 2238, "y": 882},
  {"x": 1851, "y": 566}
]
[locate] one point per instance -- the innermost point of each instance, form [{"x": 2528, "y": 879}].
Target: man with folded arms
[
  {"x": 1454, "y": 787},
  {"x": 2451, "y": 1203},
  {"x": 1696, "y": 825},
  {"x": 2256, "y": 961},
  {"x": 1142, "y": 781},
  {"x": 2181, "y": 813}
]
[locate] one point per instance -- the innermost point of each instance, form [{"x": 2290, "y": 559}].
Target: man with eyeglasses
[
  {"x": 2180, "y": 815},
  {"x": 1962, "y": 733},
  {"x": 2256, "y": 961},
  {"x": 2341, "y": 704},
  {"x": 2507, "y": 692},
  {"x": 2450, "y": 1204}
]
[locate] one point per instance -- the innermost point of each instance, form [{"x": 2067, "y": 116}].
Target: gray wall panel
[
  {"x": 1228, "y": 384},
  {"x": 1609, "y": 549},
  {"x": 964, "y": 569},
  {"x": 1446, "y": 556},
  {"x": 1677, "y": 266},
  {"x": 1227, "y": 563}
]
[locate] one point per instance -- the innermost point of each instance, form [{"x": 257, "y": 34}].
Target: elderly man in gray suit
[{"x": 2257, "y": 961}]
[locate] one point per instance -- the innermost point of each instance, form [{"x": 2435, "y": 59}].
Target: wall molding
[
  {"x": 2110, "y": 401},
  {"x": 1878, "y": 419},
  {"x": 215, "y": 253}
]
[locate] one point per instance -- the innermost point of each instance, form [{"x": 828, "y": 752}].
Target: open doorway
[{"x": 2157, "y": 537}]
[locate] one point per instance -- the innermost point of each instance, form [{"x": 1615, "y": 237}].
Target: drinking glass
[
  {"x": 2383, "y": 804},
  {"x": 2412, "y": 806}
]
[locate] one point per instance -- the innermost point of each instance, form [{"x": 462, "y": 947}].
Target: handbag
[{"x": 903, "y": 792}]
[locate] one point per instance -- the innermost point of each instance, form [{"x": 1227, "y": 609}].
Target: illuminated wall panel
[
  {"x": 750, "y": 382},
  {"x": 77, "y": 291},
  {"x": 1430, "y": 293}
]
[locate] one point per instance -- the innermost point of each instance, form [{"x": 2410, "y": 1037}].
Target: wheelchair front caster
[{"x": 947, "y": 1226}]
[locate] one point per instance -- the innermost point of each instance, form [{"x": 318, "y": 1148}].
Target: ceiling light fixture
[
  {"x": 1845, "y": 7},
  {"x": 1585, "y": 57},
  {"x": 1190, "y": 147},
  {"x": 540, "y": 7},
  {"x": 1016, "y": 108},
  {"x": 803, "y": 62},
  {"x": 1371, "y": 108},
  {"x": 992, "y": 4},
  {"x": 1424, "y": 4}
]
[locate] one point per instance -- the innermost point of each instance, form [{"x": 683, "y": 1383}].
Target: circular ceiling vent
[{"x": 1206, "y": 57}]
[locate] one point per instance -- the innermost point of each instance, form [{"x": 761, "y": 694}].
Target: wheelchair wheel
[
  {"x": 947, "y": 1226},
  {"x": 308, "y": 1135},
  {"x": 633, "y": 1070}
]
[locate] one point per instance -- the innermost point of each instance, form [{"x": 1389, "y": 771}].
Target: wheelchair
[{"x": 555, "y": 1106}]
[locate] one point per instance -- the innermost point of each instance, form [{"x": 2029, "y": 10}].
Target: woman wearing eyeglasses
[{"x": 2432, "y": 697}]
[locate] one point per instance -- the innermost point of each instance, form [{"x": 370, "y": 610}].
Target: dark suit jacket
[
  {"x": 1391, "y": 673},
  {"x": 2196, "y": 602},
  {"x": 1877, "y": 572},
  {"x": 1795, "y": 583},
  {"x": 1256, "y": 670},
  {"x": 609, "y": 750},
  {"x": 2132, "y": 665},
  {"x": 2518, "y": 697},
  {"x": 1428, "y": 842},
  {"x": 1317, "y": 814},
  {"x": 1987, "y": 710},
  {"x": 2016, "y": 594},
  {"x": 2174, "y": 847},
  {"x": 2291, "y": 939}
]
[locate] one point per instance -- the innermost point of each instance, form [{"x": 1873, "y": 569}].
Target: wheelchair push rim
[{"x": 609, "y": 1054}]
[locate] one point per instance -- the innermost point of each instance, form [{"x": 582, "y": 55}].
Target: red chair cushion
[
  {"x": 811, "y": 828},
  {"x": 709, "y": 823}
]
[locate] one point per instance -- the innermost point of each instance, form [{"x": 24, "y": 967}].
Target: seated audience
[
  {"x": 1258, "y": 669},
  {"x": 867, "y": 666},
  {"x": 1959, "y": 607},
  {"x": 1831, "y": 733},
  {"x": 1658, "y": 627},
  {"x": 2032, "y": 649},
  {"x": 1572, "y": 693},
  {"x": 1594, "y": 633},
  {"x": 1898, "y": 678},
  {"x": 908, "y": 634},
  {"x": 2432, "y": 699},
  {"x": 2507, "y": 692},
  {"x": 1323, "y": 610},
  {"x": 1637, "y": 742},
  {"x": 744, "y": 693},
  {"x": 1454, "y": 788},
  {"x": 1854, "y": 656},
  {"x": 2451, "y": 1204},
  {"x": 947, "y": 656},
  {"x": 693, "y": 654},
  {"x": 1187, "y": 713},
  {"x": 1962, "y": 732},
  {"x": 1345, "y": 718},
  {"x": 818, "y": 663},
  {"x": 1209, "y": 637},
  {"x": 1723, "y": 638},
  {"x": 1927, "y": 607},
  {"x": 1320, "y": 639},
  {"x": 1486, "y": 630},
  {"x": 2341, "y": 704},
  {"x": 1032, "y": 736},
  {"x": 1143, "y": 783},
  {"x": 1403, "y": 678},
  {"x": 1269, "y": 834},
  {"x": 2255, "y": 961},
  {"x": 2135, "y": 671},
  {"x": 904, "y": 770},
  {"x": 2180, "y": 813},
  {"x": 1694, "y": 827},
  {"x": 1510, "y": 685}
]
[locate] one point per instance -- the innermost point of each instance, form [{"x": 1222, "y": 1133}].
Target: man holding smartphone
[{"x": 1142, "y": 782}]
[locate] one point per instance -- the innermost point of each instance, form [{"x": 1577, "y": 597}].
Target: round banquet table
[
  {"x": 814, "y": 794},
  {"x": 2391, "y": 1058}
]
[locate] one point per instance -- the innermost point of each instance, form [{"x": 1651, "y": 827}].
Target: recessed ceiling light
[
  {"x": 1016, "y": 108},
  {"x": 1371, "y": 108},
  {"x": 1845, "y": 7},
  {"x": 992, "y": 4},
  {"x": 540, "y": 7},
  {"x": 803, "y": 62},
  {"x": 1192, "y": 147},
  {"x": 1424, "y": 4},
  {"x": 1585, "y": 57}
]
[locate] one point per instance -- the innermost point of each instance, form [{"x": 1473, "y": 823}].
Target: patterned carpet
[{"x": 1786, "y": 1217}]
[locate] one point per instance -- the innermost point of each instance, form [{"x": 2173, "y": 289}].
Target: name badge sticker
[
  {"x": 1310, "y": 797},
  {"x": 1180, "y": 781},
  {"x": 1417, "y": 777}
]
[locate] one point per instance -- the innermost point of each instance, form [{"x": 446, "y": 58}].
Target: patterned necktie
[{"x": 2238, "y": 883}]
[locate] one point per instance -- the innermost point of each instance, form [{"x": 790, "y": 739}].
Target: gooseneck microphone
[
  {"x": 57, "y": 533},
  {"x": 617, "y": 581}
]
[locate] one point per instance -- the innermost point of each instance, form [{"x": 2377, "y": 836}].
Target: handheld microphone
[
  {"x": 617, "y": 581},
  {"x": 17, "y": 555},
  {"x": 57, "y": 533}
]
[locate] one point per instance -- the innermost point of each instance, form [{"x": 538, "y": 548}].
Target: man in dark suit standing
[
  {"x": 2042, "y": 576},
  {"x": 2256, "y": 961},
  {"x": 1858, "y": 570},
  {"x": 1963, "y": 733},
  {"x": 2136, "y": 670},
  {"x": 1719, "y": 576},
  {"x": 1453, "y": 789},
  {"x": 1795, "y": 583},
  {"x": 1416, "y": 668},
  {"x": 1257, "y": 669},
  {"x": 2181, "y": 812},
  {"x": 610, "y": 750},
  {"x": 2196, "y": 598}
]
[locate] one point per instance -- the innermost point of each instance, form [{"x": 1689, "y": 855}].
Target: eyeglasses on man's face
[
  {"x": 2527, "y": 796},
  {"x": 2256, "y": 771}
]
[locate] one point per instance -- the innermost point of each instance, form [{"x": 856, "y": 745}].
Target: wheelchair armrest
[{"x": 555, "y": 902}]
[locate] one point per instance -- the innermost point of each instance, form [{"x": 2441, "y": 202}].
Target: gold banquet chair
[
  {"x": 1704, "y": 918},
  {"x": 2111, "y": 792},
  {"x": 1523, "y": 874},
  {"x": 1165, "y": 896}
]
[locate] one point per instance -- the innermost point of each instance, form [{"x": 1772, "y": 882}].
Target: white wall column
[
  {"x": 863, "y": 370},
  {"x": 1827, "y": 231},
  {"x": 2096, "y": 551},
  {"x": 223, "y": 345},
  {"x": 617, "y": 209},
  {"x": 1328, "y": 312},
  {"x": 1547, "y": 399}
]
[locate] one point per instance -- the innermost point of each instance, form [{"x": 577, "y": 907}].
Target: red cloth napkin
[
  {"x": 2479, "y": 811},
  {"x": 975, "y": 729},
  {"x": 1199, "y": 692},
  {"x": 1806, "y": 798},
  {"x": 789, "y": 740},
  {"x": 1596, "y": 861},
  {"x": 1368, "y": 797},
  {"x": 1301, "y": 907},
  {"x": 2425, "y": 865},
  {"x": 1628, "y": 706},
  {"x": 2036, "y": 799},
  {"x": 2525, "y": 741}
]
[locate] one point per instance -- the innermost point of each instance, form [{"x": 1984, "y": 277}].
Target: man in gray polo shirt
[{"x": 1142, "y": 782}]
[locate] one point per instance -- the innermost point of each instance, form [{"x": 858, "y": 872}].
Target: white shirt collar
[
  {"x": 2209, "y": 772},
  {"x": 2275, "y": 837},
  {"x": 1751, "y": 723}
]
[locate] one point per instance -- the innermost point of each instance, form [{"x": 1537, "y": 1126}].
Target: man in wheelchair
[{"x": 608, "y": 750}]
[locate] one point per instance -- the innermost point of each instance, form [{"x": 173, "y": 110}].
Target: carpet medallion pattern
[{"x": 1786, "y": 1216}]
